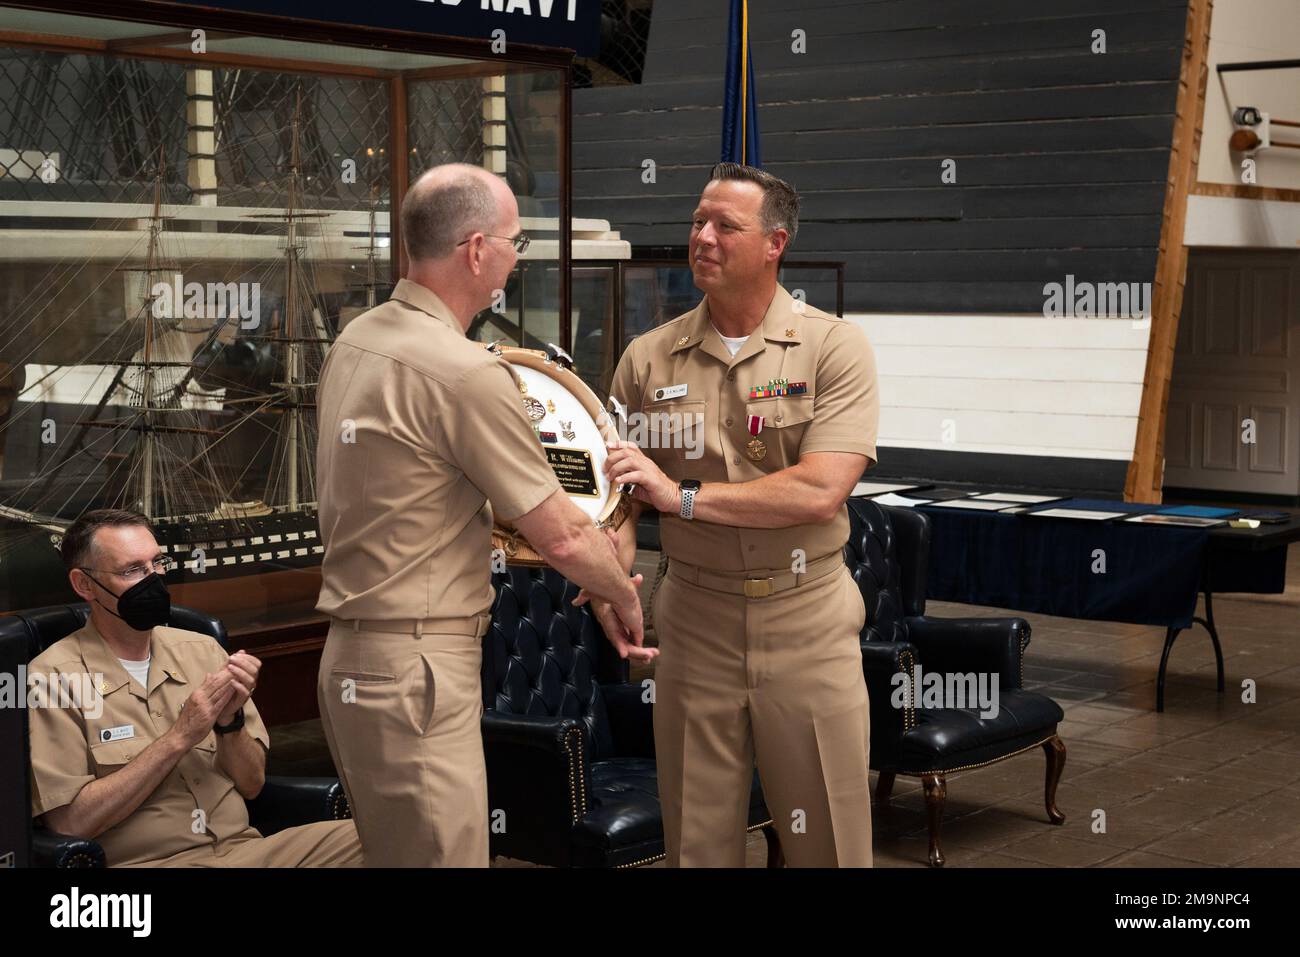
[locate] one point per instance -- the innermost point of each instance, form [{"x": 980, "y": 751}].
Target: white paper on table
[
  {"x": 975, "y": 504},
  {"x": 890, "y": 498},
  {"x": 1186, "y": 521},
  {"x": 1078, "y": 513},
  {"x": 877, "y": 488},
  {"x": 1018, "y": 497}
]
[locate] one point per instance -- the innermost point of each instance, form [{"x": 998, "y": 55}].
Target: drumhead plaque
[
  {"x": 575, "y": 471},
  {"x": 558, "y": 403}
]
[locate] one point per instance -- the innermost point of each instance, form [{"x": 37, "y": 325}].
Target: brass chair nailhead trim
[
  {"x": 580, "y": 762},
  {"x": 909, "y": 709},
  {"x": 968, "y": 767}
]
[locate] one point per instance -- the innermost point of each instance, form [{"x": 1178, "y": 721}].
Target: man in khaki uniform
[
  {"x": 146, "y": 738},
  {"x": 758, "y": 616},
  {"x": 422, "y": 435}
]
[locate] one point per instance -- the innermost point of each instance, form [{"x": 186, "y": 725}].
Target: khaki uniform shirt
[
  {"x": 420, "y": 428},
  {"x": 69, "y": 750},
  {"x": 838, "y": 412}
]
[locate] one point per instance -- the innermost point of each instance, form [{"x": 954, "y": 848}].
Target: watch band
[
  {"x": 234, "y": 725},
  {"x": 688, "y": 503}
]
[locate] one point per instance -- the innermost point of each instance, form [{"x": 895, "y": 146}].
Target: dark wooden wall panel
[{"x": 1061, "y": 153}]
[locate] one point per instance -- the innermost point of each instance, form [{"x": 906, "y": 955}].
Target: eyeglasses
[
  {"x": 133, "y": 573},
  {"x": 520, "y": 242}
]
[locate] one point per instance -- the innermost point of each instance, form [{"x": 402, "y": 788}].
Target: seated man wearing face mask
[{"x": 156, "y": 763}]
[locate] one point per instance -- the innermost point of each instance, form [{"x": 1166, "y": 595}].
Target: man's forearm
[
  {"x": 112, "y": 799},
  {"x": 243, "y": 759},
  {"x": 570, "y": 543},
  {"x": 789, "y": 497},
  {"x": 590, "y": 561},
  {"x": 627, "y": 537}
]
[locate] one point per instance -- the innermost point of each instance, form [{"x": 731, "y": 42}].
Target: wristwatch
[
  {"x": 689, "y": 487},
  {"x": 234, "y": 725}
]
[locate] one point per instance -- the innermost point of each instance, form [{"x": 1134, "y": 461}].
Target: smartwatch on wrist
[
  {"x": 688, "y": 488},
  {"x": 234, "y": 725}
]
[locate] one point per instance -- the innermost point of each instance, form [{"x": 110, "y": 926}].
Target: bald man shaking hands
[{"x": 422, "y": 437}]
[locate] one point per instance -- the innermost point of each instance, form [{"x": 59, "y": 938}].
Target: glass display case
[
  {"x": 186, "y": 223},
  {"x": 193, "y": 205}
]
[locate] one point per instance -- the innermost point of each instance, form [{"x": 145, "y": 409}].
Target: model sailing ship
[{"x": 174, "y": 432}]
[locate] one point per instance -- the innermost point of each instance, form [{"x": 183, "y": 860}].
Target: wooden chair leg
[
  {"x": 775, "y": 856},
  {"x": 884, "y": 788},
  {"x": 1055, "y": 749},
  {"x": 936, "y": 790}
]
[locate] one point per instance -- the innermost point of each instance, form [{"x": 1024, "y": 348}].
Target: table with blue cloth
[{"x": 1102, "y": 570}]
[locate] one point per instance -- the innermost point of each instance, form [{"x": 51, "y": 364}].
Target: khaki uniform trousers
[
  {"x": 401, "y": 713},
  {"x": 323, "y": 844},
  {"x": 777, "y": 679}
]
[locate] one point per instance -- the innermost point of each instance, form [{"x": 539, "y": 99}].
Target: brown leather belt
[
  {"x": 477, "y": 625},
  {"x": 736, "y": 583}
]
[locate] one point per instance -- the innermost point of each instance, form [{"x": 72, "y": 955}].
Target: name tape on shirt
[
  {"x": 671, "y": 392},
  {"x": 120, "y": 733}
]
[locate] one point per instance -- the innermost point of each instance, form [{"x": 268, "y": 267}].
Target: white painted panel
[
  {"x": 1004, "y": 332},
  {"x": 1007, "y": 365},
  {"x": 1229, "y": 221},
  {"x": 1049, "y": 433},
  {"x": 1066, "y": 398},
  {"x": 1012, "y": 384}
]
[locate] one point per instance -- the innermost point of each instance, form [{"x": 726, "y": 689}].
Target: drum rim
[{"x": 570, "y": 380}]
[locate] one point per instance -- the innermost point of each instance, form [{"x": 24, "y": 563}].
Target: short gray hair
[
  {"x": 780, "y": 208},
  {"x": 78, "y": 543},
  {"x": 435, "y": 218}
]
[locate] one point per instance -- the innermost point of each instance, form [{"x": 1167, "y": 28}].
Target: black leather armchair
[
  {"x": 283, "y": 802},
  {"x": 569, "y": 742},
  {"x": 888, "y": 553}
]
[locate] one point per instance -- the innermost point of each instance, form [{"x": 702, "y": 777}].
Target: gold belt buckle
[{"x": 758, "y": 587}]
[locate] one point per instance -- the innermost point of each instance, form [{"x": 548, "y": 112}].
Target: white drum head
[
  {"x": 573, "y": 428},
  {"x": 578, "y": 452}
]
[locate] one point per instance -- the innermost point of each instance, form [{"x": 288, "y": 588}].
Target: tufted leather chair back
[
  {"x": 44, "y": 626},
  {"x": 542, "y": 656},
  {"x": 888, "y": 552},
  {"x": 15, "y": 808}
]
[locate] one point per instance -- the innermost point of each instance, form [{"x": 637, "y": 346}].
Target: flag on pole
[{"x": 740, "y": 105}]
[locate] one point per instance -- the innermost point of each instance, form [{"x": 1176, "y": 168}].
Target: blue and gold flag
[{"x": 740, "y": 105}]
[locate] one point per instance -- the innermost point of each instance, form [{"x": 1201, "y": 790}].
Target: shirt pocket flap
[
  {"x": 781, "y": 411},
  {"x": 671, "y": 418},
  {"x": 110, "y": 755}
]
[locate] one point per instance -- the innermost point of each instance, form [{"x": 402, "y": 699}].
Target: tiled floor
[{"x": 1209, "y": 782}]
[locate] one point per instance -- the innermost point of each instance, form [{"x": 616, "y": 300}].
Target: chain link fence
[
  {"x": 446, "y": 123},
  {"x": 339, "y": 119},
  {"x": 77, "y": 127},
  {"x": 92, "y": 128},
  {"x": 624, "y": 38}
]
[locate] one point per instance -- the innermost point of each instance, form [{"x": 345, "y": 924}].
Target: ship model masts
[{"x": 161, "y": 457}]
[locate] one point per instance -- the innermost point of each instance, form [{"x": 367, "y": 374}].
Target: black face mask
[{"x": 144, "y": 605}]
